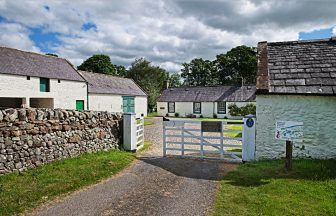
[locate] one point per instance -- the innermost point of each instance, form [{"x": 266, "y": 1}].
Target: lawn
[
  {"x": 265, "y": 188},
  {"x": 19, "y": 192}
]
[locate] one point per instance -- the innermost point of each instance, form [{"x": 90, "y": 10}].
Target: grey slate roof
[
  {"x": 208, "y": 94},
  {"x": 297, "y": 67},
  {"x": 17, "y": 62},
  {"x": 108, "y": 84}
]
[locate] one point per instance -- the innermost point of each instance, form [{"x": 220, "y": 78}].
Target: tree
[
  {"x": 199, "y": 72},
  {"x": 237, "y": 64},
  {"x": 120, "y": 70},
  {"x": 175, "y": 80},
  {"x": 150, "y": 78},
  {"x": 98, "y": 64}
]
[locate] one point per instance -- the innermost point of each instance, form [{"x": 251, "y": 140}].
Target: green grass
[
  {"x": 265, "y": 188},
  {"x": 233, "y": 134},
  {"x": 152, "y": 114},
  {"x": 146, "y": 147},
  {"x": 19, "y": 192},
  {"x": 148, "y": 121}
]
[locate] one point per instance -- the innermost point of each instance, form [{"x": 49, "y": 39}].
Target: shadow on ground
[{"x": 191, "y": 168}]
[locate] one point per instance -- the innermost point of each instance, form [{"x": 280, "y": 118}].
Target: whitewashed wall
[
  {"x": 185, "y": 108},
  {"x": 318, "y": 115},
  {"x": 114, "y": 103},
  {"x": 64, "y": 94}
]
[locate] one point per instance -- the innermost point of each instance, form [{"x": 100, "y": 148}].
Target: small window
[
  {"x": 197, "y": 108},
  {"x": 59, "y": 81},
  {"x": 171, "y": 107},
  {"x": 221, "y": 107},
  {"x": 44, "y": 85},
  {"x": 28, "y": 77}
]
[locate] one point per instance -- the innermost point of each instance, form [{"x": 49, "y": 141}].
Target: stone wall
[
  {"x": 317, "y": 114},
  {"x": 31, "y": 137}
]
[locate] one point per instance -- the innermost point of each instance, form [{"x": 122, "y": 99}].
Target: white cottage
[
  {"x": 114, "y": 94},
  {"x": 34, "y": 80},
  {"x": 296, "y": 81},
  {"x": 203, "y": 101}
]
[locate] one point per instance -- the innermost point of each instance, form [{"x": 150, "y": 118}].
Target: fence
[
  {"x": 133, "y": 132},
  {"x": 209, "y": 139}
]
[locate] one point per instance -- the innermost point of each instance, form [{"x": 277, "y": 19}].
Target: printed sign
[
  {"x": 211, "y": 126},
  {"x": 250, "y": 122},
  {"x": 289, "y": 130}
]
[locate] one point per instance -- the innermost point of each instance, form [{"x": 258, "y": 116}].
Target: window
[
  {"x": 171, "y": 107},
  {"x": 197, "y": 107},
  {"x": 44, "y": 85},
  {"x": 221, "y": 107},
  {"x": 28, "y": 77}
]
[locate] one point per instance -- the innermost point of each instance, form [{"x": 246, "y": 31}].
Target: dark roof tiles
[
  {"x": 208, "y": 94},
  {"x": 108, "y": 84},
  {"x": 297, "y": 67},
  {"x": 17, "y": 62}
]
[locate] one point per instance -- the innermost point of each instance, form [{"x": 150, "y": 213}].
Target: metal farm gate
[{"x": 228, "y": 141}]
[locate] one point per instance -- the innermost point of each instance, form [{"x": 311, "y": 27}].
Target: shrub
[
  {"x": 167, "y": 115},
  {"x": 201, "y": 116},
  {"x": 214, "y": 115},
  {"x": 225, "y": 117},
  {"x": 234, "y": 110},
  {"x": 177, "y": 114}
]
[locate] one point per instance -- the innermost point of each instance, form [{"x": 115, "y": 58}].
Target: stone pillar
[
  {"x": 249, "y": 137},
  {"x": 129, "y": 132}
]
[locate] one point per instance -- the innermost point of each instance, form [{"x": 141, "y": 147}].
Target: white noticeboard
[{"x": 289, "y": 130}]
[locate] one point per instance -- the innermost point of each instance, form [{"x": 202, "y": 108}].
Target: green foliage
[
  {"x": 266, "y": 188},
  {"x": 199, "y": 72},
  {"x": 228, "y": 68},
  {"x": 177, "y": 114},
  {"x": 51, "y": 54},
  {"x": 201, "y": 116},
  {"x": 175, "y": 80},
  {"x": 19, "y": 192},
  {"x": 214, "y": 115},
  {"x": 237, "y": 64},
  {"x": 120, "y": 70},
  {"x": 234, "y": 110},
  {"x": 98, "y": 64},
  {"x": 150, "y": 78}
]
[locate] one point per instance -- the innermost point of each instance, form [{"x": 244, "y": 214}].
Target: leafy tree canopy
[
  {"x": 98, "y": 64},
  {"x": 175, "y": 80},
  {"x": 51, "y": 54},
  {"x": 199, "y": 72},
  {"x": 150, "y": 78}
]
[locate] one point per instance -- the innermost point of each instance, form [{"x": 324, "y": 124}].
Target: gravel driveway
[{"x": 152, "y": 186}]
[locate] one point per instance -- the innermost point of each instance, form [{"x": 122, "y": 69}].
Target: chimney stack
[{"x": 167, "y": 84}]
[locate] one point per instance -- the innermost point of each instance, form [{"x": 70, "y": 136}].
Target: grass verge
[
  {"x": 27, "y": 190},
  {"x": 265, "y": 188}
]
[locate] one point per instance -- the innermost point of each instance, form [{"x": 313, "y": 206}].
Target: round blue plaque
[{"x": 249, "y": 122}]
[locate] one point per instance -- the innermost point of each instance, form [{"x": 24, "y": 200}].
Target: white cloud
[
  {"x": 334, "y": 31},
  {"x": 16, "y": 36},
  {"x": 165, "y": 32}
]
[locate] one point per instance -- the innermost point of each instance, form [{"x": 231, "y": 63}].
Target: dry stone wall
[{"x": 31, "y": 137}]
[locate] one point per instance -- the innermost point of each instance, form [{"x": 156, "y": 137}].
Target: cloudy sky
[{"x": 164, "y": 32}]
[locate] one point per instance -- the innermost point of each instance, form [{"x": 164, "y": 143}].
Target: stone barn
[{"x": 296, "y": 81}]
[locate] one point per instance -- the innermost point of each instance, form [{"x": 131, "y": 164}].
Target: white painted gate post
[
  {"x": 249, "y": 135},
  {"x": 129, "y": 132}
]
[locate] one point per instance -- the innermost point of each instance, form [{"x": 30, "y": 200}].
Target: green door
[
  {"x": 128, "y": 104},
  {"x": 79, "y": 105}
]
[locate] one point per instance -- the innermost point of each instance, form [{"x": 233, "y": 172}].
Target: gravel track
[{"x": 153, "y": 185}]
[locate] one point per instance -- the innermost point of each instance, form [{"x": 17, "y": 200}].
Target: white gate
[
  {"x": 205, "y": 139},
  {"x": 140, "y": 133}
]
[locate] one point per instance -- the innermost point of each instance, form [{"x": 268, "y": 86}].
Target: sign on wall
[{"x": 289, "y": 130}]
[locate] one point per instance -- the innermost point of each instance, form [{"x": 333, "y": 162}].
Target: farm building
[
  {"x": 34, "y": 80},
  {"x": 296, "y": 81},
  {"x": 203, "y": 101},
  {"x": 114, "y": 94}
]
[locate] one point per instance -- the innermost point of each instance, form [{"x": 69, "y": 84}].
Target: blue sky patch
[
  {"x": 316, "y": 34},
  {"x": 44, "y": 40},
  {"x": 89, "y": 25}
]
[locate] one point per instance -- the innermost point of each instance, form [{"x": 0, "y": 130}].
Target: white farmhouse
[
  {"x": 34, "y": 80},
  {"x": 296, "y": 81},
  {"x": 203, "y": 101},
  {"x": 115, "y": 94}
]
